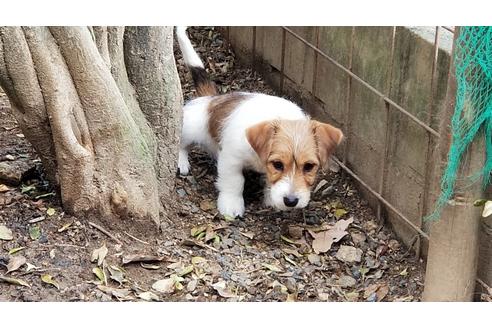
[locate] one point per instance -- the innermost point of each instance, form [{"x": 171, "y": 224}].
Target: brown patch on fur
[
  {"x": 219, "y": 109},
  {"x": 203, "y": 85},
  {"x": 302, "y": 146}
]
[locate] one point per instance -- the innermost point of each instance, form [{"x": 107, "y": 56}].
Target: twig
[
  {"x": 106, "y": 232},
  {"x": 61, "y": 245},
  {"x": 39, "y": 219},
  {"x": 484, "y": 285},
  {"x": 135, "y": 238}
]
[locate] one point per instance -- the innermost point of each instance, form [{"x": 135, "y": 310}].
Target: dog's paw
[
  {"x": 183, "y": 165},
  {"x": 230, "y": 205}
]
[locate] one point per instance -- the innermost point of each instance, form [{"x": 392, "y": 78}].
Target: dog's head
[{"x": 292, "y": 151}]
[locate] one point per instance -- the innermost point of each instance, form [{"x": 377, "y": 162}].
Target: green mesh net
[{"x": 473, "y": 111}]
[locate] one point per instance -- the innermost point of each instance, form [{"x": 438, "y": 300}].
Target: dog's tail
[{"x": 204, "y": 86}]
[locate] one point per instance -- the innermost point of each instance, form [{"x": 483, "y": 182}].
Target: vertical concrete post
[{"x": 453, "y": 247}]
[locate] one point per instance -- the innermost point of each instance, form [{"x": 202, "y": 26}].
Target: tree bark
[{"x": 101, "y": 107}]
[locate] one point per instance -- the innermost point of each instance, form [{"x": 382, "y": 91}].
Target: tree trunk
[{"x": 101, "y": 106}]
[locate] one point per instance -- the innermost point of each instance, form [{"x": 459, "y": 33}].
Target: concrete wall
[{"x": 389, "y": 151}]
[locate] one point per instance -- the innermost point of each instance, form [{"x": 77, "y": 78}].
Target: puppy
[{"x": 243, "y": 130}]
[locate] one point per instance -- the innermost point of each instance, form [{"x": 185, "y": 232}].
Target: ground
[{"x": 200, "y": 256}]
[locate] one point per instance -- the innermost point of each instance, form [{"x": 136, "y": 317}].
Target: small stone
[
  {"x": 370, "y": 226},
  {"x": 314, "y": 259},
  {"x": 291, "y": 285},
  {"x": 358, "y": 237},
  {"x": 349, "y": 254},
  {"x": 328, "y": 191},
  {"x": 372, "y": 297},
  {"x": 10, "y": 157},
  {"x": 11, "y": 173},
  {"x": 191, "y": 285},
  {"x": 393, "y": 245},
  {"x": 295, "y": 232},
  {"x": 181, "y": 192},
  {"x": 355, "y": 272},
  {"x": 346, "y": 281}
]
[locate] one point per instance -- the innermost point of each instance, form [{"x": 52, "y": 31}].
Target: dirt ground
[{"x": 200, "y": 256}]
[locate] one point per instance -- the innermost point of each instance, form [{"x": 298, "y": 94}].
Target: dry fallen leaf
[
  {"x": 197, "y": 260},
  {"x": 222, "y": 289},
  {"x": 34, "y": 232},
  {"x": 131, "y": 258},
  {"x": 65, "y": 227},
  {"x": 15, "y": 250},
  {"x": 15, "y": 263},
  {"x": 116, "y": 274},
  {"x": 382, "y": 292},
  {"x": 148, "y": 296},
  {"x": 487, "y": 209},
  {"x": 207, "y": 205},
  {"x": 339, "y": 212},
  {"x": 31, "y": 267},
  {"x": 14, "y": 281},
  {"x": 349, "y": 254},
  {"x": 5, "y": 233},
  {"x": 149, "y": 266},
  {"x": 4, "y": 188},
  {"x": 122, "y": 294},
  {"x": 46, "y": 278},
  {"x": 323, "y": 240},
  {"x": 50, "y": 211},
  {"x": 272, "y": 267},
  {"x": 99, "y": 254},
  {"x": 168, "y": 285},
  {"x": 100, "y": 275}
]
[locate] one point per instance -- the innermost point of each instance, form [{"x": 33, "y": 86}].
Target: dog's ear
[
  {"x": 260, "y": 138},
  {"x": 328, "y": 138}
]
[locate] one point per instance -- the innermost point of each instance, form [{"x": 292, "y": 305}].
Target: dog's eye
[
  {"x": 308, "y": 167},
  {"x": 279, "y": 166}
]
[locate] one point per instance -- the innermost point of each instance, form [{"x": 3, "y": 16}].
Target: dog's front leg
[{"x": 230, "y": 183}]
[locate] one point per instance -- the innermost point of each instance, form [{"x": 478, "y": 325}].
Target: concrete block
[
  {"x": 364, "y": 159},
  {"x": 335, "y": 42},
  {"x": 269, "y": 45},
  {"x": 299, "y": 58},
  {"x": 332, "y": 88},
  {"x": 372, "y": 56},
  {"x": 404, "y": 190},
  {"x": 368, "y": 117},
  {"x": 331, "y": 81},
  {"x": 241, "y": 39}
]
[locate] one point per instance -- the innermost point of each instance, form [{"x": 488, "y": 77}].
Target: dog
[{"x": 242, "y": 130}]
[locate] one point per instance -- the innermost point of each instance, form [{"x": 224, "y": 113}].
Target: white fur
[
  {"x": 234, "y": 153},
  {"x": 189, "y": 54}
]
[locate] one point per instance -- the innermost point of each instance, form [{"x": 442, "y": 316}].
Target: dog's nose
[{"x": 291, "y": 201}]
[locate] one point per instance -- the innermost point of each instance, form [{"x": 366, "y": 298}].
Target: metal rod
[
  {"x": 364, "y": 83},
  {"x": 282, "y": 62},
  {"x": 315, "y": 64},
  {"x": 346, "y": 119}
]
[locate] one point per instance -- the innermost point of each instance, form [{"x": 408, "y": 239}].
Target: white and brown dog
[{"x": 242, "y": 130}]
